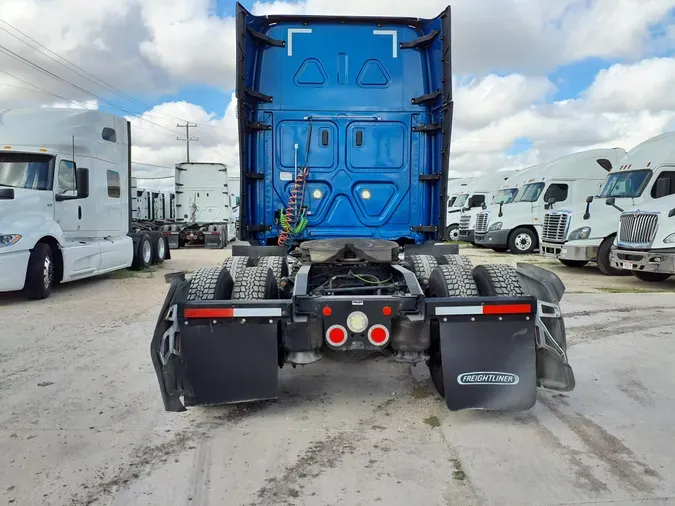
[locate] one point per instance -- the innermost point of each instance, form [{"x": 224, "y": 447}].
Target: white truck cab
[
  {"x": 456, "y": 188},
  {"x": 645, "y": 240},
  {"x": 481, "y": 193},
  {"x": 65, "y": 199},
  {"x": 586, "y": 231},
  {"x": 561, "y": 182}
]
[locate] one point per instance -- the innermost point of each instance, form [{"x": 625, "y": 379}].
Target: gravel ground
[{"x": 82, "y": 420}]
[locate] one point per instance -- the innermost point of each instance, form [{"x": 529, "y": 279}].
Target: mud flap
[
  {"x": 174, "y": 240},
  {"x": 215, "y": 240},
  {"x": 489, "y": 364},
  {"x": 229, "y": 362}
]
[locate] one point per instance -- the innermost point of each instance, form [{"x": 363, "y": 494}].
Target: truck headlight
[
  {"x": 9, "y": 239},
  {"x": 580, "y": 233},
  {"x": 669, "y": 239},
  {"x": 495, "y": 226}
]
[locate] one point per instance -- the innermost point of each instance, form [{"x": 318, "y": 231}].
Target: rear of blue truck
[{"x": 344, "y": 139}]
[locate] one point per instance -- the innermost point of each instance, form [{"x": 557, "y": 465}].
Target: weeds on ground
[{"x": 433, "y": 421}]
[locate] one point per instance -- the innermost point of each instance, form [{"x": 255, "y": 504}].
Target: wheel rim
[
  {"x": 47, "y": 272},
  {"x": 523, "y": 242},
  {"x": 147, "y": 252},
  {"x": 161, "y": 251},
  {"x": 453, "y": 235}
]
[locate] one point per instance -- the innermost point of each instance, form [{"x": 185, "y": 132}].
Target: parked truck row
[{"x": 66, "y": 208}]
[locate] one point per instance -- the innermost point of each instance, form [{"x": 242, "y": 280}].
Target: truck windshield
[
  {"x": 25, "y": 170},
  {"x": 461, "y": 200},
  {"x": 625, "y": 184},
  {"x": 505, "y": 196},
  {"x": 530, "y": 192}
]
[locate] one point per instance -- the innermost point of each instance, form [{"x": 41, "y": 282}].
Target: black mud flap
[
  {"x": 489, "y": 364},
  {"x": 229, "y": 361},
  {"x": 487, "y": 350},
  {"x": 215, "y": 240}
]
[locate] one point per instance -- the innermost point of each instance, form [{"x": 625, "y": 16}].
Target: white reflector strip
[
  {"x": 241, "y": 312},
  {"x": 455, "y": 310}
]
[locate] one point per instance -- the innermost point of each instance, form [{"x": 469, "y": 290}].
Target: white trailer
[
  {"x": 586, "y": 232},
  {"x": 481, "y": 193},
  {"x": 457, "y": 191},
  {"x": 66, "y": 204},
  {"x": 204, "y": 206},
  {"x": 561, "y": 182},
  {"x": 645, "y": 238}
]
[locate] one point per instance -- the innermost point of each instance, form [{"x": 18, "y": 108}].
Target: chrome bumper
[
  {"x": 563, "y": 251},
  {"x": 645, "y": 261}
]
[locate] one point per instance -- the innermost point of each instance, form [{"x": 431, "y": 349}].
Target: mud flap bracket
[{"x": 489, "y": 364}]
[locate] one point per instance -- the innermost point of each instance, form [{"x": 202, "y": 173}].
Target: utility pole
[{"x": 188, "y": 139}]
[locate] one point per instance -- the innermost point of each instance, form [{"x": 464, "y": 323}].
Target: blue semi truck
[{"x": 344, "y": 146}]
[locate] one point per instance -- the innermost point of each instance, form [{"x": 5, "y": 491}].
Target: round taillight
[
  {"x": 357, "y": 322},
  {"x": 336, "y": 335},
  {"x": 386, "y": 311},
  {"x": 378, "y": 335},
  {"x": 327, "y": 311}
]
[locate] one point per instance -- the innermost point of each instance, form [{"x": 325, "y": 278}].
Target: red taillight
[
  {"x": 378, "y": 335},
  {"x": 336, "y": 335},
  {"x": 508, "y": 309},
  {"x": 326, "y": 311},
  {"x": 386, "y": 311}
]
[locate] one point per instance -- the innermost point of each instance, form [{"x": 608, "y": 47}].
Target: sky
[{"x": 533, "y": 79}]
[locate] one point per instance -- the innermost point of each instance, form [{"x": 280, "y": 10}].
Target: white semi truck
[
  {"x": 456, "y": 188},
  {"x": 65, "y": 200},
  {"x": 480, "y": 194},
  {"x": 204, "y": 206},
  {"x": 561, "y": 182},
  {"x": 645, "y": 240},
  {"x": 584, "y": 233}
]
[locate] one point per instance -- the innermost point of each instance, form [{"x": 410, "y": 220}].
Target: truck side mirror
[
  {"x": 662, "y": 187},
  {"x": 587, "y": 214},
  {"x": 6, "y": 193},
  {"x": 82, "y": 176},
  {"x": 612, "y": 202},
  {"x": 237, "y": 201},
  {"x": 550, "y": 203}
]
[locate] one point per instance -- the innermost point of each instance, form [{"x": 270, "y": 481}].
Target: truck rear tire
[
  {"x": 160, "y": 245},
  {"x": 278, "y": 265},
  {"x": 452, "y": 233},
  {"x": 497, "y": 280},
  {"x": 652, "y": 277},
  {"x": 40, "y": 272},
  {"x": 603, "y": 261},
  {"x": 446, "y": 281},
  {"x": 421, "y": 266},
  {"x": 235, "y": 265},
  {"x": 210, "y": 283},
  {"x": 143, "y": 254},
  {"x": 255, "y": 283},
  {"x": 462, "y": 260}
]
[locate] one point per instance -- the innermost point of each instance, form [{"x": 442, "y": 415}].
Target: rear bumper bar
[{"x": 220, "y": 352}]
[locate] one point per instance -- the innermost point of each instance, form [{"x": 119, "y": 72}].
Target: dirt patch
[
  {"x": 432, "y": 421},
  {"x": 320, "y": 457},
  {"x": 620, "y": 460}
]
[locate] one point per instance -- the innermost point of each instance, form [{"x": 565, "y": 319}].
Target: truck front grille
[
  {"x": 464, "y": 222},
  {"x": 555, "y": 227},
  {"x": 482, "y": 222},
  {"x": 637, "y": 228}
]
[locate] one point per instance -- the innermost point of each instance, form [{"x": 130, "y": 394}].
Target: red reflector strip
[
  {"x": 508, "y": 309},
  {"x": 209, "y": 312},
  {"x": 232, "y": 312},
  {"x": 485, "y": 310}
]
